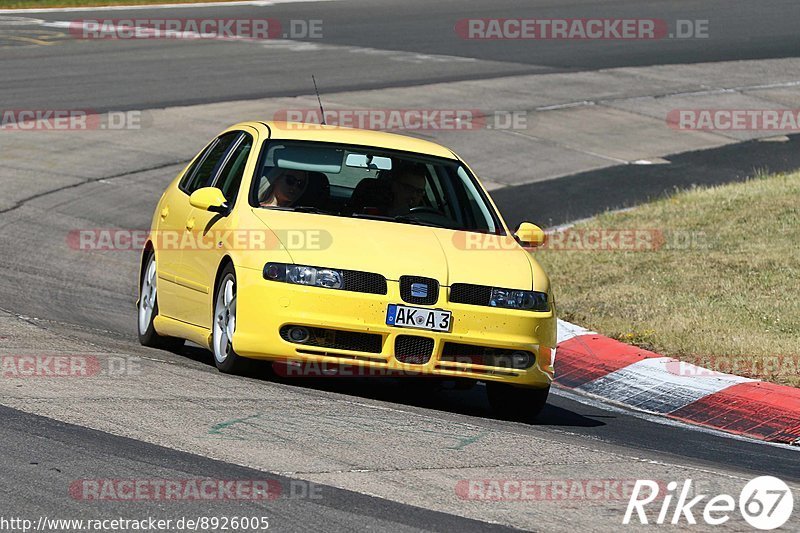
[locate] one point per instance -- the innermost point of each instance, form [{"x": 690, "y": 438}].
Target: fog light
[{"x": 298, "y": 334}]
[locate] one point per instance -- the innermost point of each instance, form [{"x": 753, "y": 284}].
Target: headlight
[
  {"x": 304, "y": 275},
  {"x": 533, "y": 300}
]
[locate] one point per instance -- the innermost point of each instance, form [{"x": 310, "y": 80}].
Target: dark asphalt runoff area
[
  {"x": 41, "y": 457},
  {"x": 364, "y": 45},
  {"x": 562, "y": 200}
]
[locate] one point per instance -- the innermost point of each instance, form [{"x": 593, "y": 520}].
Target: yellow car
[{"x": 308, "y": 245}]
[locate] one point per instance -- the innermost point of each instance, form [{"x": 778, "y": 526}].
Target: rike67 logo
[{"x": 765, "y": 503}]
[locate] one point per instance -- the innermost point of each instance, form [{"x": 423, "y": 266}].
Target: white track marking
[
  {"x": 19, "y": 21},
  {"x": 262, "y": 3},
  {"x": 391, "y": 55},
  {"x": 285, "y": 44},
  {"x": 659, "y": 384},
  {"x": 567, "y": 331}
]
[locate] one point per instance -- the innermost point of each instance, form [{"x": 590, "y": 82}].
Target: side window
[
  {"x": 231, "y": 176},
  {"x": 187, "y": 177},
  {"x": 207, "y": 165}
]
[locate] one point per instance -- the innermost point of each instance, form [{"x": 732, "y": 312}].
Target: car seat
[{"x": 317, "y": 193}]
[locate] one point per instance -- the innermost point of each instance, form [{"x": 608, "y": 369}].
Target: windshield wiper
[
  {"x": 308, "y": 209},
  {"x": 404, "y": 219},
  {"x": 299, "y": 209},
  {"x": 413, "y": 220}
]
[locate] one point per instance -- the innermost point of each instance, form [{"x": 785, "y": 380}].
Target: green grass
[
  {"x": 729, "y": 300},
  {"x": 35, "y": 4}
]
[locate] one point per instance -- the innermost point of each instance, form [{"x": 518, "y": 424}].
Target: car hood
[{"x": 394, "y": 249}]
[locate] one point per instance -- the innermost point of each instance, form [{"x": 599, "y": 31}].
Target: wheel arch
[
  {"x": 226, "y": 260},
  {"x": 146, "y": 252}
]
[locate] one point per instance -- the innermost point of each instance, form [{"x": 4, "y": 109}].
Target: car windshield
[{"x": 374, "y": 183}]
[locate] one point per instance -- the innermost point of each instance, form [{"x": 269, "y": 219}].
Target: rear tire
[
  {"x": 516, "y": 403},
  {"x": 148, "y": 310},
  {"x": 224, "y": 324}
]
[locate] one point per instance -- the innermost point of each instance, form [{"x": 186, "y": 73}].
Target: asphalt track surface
[
  {"x": 365, "y": 45},
  {"x": 95, "y": 302},
  {"x": 66, "y": 451}
]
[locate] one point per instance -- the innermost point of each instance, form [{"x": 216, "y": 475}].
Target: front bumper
[{"x": 263, "y": 307}]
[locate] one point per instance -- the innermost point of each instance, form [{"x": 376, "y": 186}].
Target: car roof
[{"x": 338, "y": 134}]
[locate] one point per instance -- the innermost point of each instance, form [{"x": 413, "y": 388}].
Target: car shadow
[{"x": 411, "y": 391}]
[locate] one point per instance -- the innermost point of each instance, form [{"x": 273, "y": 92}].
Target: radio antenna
[{"x": 322, "y": 111}]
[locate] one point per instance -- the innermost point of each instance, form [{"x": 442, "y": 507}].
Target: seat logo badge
[{"x": 419, "y": 290}]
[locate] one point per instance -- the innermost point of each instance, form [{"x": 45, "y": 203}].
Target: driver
[
  {"x": 285, "y": 189},
  {"x": 407, "y": 181}
]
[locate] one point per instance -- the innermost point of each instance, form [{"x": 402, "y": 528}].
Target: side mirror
[
  {"x": 529, "y": 235},
  {"x": 209, "y": 199}
]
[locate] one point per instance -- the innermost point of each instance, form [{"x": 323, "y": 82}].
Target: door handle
[
  {"x": 190, "y": 224},
  {"x": 164, "y": 213}
]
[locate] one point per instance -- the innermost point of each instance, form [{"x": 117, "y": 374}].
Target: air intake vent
[
  {"x": 412, "y": 349},
  {"x": 357, "y": 281},
  {"x": 464, "y": 293}
]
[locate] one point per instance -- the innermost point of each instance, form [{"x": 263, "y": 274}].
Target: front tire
[
  {"x": 224, "y": 324},
  {"x": 148, "y": 310},
  {"x": 516, "y": 403}
]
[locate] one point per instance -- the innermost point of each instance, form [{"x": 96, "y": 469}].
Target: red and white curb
[{"x": 601, "y": 367}]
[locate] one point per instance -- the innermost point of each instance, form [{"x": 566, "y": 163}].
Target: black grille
[
  {"x": 464, "y": 293},
  {"x": 487, "y": 356},
  {"x": 412, "y": 349},
  {"x": 338, "y": 340},
  {"x": 357, "y": 281},
  {"x": 431, "y": 285}
]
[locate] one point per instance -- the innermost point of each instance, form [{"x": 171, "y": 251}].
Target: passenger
[{"x": 285, "y": 188}]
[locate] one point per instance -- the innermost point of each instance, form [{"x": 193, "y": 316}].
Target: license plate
[{"x": 404, "y": 316}]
